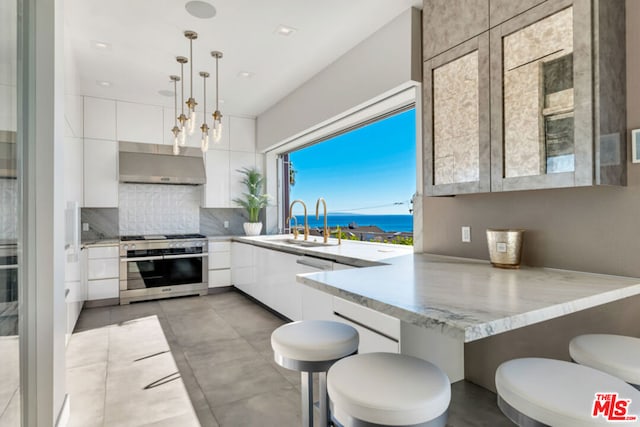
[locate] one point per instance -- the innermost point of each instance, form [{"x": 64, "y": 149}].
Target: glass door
[{"x": 9, "y": 207}]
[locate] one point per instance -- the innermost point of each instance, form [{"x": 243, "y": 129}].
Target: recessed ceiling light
[
  {"x": 245, "y": 74},
  {"x": 200, "y": 9},
  {"x": 100, "y": 45},
  {"x": 284, "y": 30},
  {"x": 165, "y": 92},
  {"x": 103, "y": 83}
]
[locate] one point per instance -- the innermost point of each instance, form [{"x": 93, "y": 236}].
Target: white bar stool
[
  {"x": 313, "y": 346},
  {"x": 617, "y": 355},
  {"x": 387, "y": 389},
  {"x": 536, "y": 392}
]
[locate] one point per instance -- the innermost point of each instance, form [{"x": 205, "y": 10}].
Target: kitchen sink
[{"x": 306, "y": 243}]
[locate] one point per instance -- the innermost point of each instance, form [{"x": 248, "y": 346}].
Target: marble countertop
[
  {"x": 350, "y": 252},
  {"x": 469, "y": 299}
]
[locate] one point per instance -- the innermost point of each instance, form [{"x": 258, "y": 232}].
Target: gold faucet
[
  {"x": 306, "y": 220},
  {"x": 295, "y": 229},
  {"x": 325, "y": 231}
]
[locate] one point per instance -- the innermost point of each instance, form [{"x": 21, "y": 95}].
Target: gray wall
[
  {"x": 387, "y": 59},
  {"x": 589, "y": 229}
]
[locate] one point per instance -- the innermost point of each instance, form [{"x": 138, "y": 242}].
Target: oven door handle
[
  {"x": 184, "y": 256},
  {"x": 8, "y": 267},
  {"x": 143, "y": 258}
]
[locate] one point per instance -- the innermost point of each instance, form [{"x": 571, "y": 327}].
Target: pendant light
[
  {"x": 182, "y": 118},
  {"x": 217, "y": 115},
  {"x": 204, "y": 142},
  {"x": 175, "y": 130},
  {"x": 191, "y": 102}
]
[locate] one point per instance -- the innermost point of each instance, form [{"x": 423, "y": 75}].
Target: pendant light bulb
[
  {"x": 192, "y": 122},
  {"x": 204, "y": 143},
  {"x": 176, "y": 148},
  {"x": 183, "y": 136},
  {"x": 217, "y": 131}
]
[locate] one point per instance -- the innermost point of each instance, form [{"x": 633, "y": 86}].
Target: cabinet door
[
  {"x": 216, "y": 190},
  {"x": 542, "y": 99},
  {"x": 243, "y": 267},
  {"x": 99, "y": 118},
  {"x": 101, "y": 289},
  {"x": 100, "y": 173},
  {"x": 456, "y": 125},
  {"x": 449, "y": 23},
  {"x": 139, "y": 122},
  {"x": 73, "y": 115},
  {"x": 242, "y": 134}
]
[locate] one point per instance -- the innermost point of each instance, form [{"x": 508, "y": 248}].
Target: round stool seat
[
  {"x": 314, "y": 340},
  {"x": 387, "y": 389},
  {"x": 617, "y": 355},
  {"x": 557, "y": 393}
]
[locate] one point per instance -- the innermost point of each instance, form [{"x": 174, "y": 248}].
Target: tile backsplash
[
  {"x": 8, "y": 209},
  {"x": 159, "y": 209}
]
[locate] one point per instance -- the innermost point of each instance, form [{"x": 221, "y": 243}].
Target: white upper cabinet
[
  {"x": 216, "y": 191},
  {"x": 73, "y": 175},
  {"x": 99, "y": 118},
  {"x": 73, "y": 115},
  {"x": 242, "y": 134},
  {"x": 139, "y": 123},
  {"x": 100, "y": 173}
]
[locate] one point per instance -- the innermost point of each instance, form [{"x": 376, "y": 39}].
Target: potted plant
[{"x": 253, "y": 200}]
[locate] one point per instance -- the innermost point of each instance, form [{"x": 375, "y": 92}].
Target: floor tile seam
[
  {"x": 197, "y": 381},
  {"x": 106, "y": 374},
  {"x": 13, "y": 395},
  {"x": 217, "y": 407}
]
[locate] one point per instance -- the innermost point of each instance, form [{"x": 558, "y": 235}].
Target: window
[{"x": 367, "y": 176}]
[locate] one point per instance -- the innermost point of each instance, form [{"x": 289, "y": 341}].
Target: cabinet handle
[
  {"x": 362, "y": 325},
  {"x": 8, "y": 267}
]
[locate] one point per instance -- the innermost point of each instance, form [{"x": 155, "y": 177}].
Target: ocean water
[{"x": 386, "y": 222}]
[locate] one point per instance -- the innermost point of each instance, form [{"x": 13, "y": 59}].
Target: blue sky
[{"x": 364, "y": 171}]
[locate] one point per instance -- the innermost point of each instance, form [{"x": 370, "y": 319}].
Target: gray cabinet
[
  {"x": 548, "y": 100},
  {"x": 446, "y": 23},
  {"x": 456, "y": 125}
]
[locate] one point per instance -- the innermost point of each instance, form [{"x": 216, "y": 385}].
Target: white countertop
[
  {"x": 470, "y": 299},
  {"x": 350, "y": 252}
]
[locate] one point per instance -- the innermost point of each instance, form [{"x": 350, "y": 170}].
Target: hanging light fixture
[
  {"x": 191, "y": 102},
  {"x": 182, "y": 118},
  {"x": 204, "y": 142},
  {"x": 217, "y": 115},
  {"x": 175, "y": 130}
]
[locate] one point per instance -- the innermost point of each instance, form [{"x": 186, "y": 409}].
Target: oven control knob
[
  {"x": 133, "y": 247},
  {"x": 126, "y": 247}
]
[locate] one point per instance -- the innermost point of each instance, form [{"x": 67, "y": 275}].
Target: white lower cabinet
[
  {"x": 103, "y": 271},
  {"x": 377, "y": 331},
  {"x": 243, "y": 267},
  {"x": 219, "y": 264}
]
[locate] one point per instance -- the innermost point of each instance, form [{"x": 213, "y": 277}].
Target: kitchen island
[{"x": 467, "y": 316}]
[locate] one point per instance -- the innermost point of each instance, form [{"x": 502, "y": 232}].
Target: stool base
[
  {"x": 349, "y": 421},
  {"x": 517, "y": 417},
  {"x": 307, "y": 369}
]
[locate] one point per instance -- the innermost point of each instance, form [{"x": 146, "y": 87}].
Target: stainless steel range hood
[
  {"x": 156, "y": 164},
  {"x": 8, "y": 154}
]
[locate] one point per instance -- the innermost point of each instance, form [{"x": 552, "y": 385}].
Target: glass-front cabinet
[
  {"x": 457, "y": 131},
  {"x": 536, "y": 101}
]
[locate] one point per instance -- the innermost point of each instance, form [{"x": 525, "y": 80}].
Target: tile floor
[{"x": 221, "y": 346}]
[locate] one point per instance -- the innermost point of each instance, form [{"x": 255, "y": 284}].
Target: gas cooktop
[{"x": 162, "y": 237}]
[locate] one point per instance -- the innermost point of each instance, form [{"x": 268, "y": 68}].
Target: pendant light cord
[
  {"x": 175, "y": 103},
  {"x": 217, "y": 95},
  {"x": 182, "y": 87},
  {"x": 191, "y": 65}
]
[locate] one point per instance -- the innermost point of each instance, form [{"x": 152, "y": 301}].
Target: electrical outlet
[
  {"x": 226, "y": 224},
  {"x": 466, "y": 234},
  {"x": 85, "y": 226}
]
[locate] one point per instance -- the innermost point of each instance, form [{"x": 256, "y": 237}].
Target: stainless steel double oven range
[{"x": 153, "y": 267}]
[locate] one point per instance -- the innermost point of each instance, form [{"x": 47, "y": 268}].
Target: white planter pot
[{"x": 252, "y": 228}]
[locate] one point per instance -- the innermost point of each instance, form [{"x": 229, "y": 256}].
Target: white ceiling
[{"x": 147, "y": 35}]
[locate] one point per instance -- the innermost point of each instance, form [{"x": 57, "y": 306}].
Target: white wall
[{"x": 387, "y": 60}]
